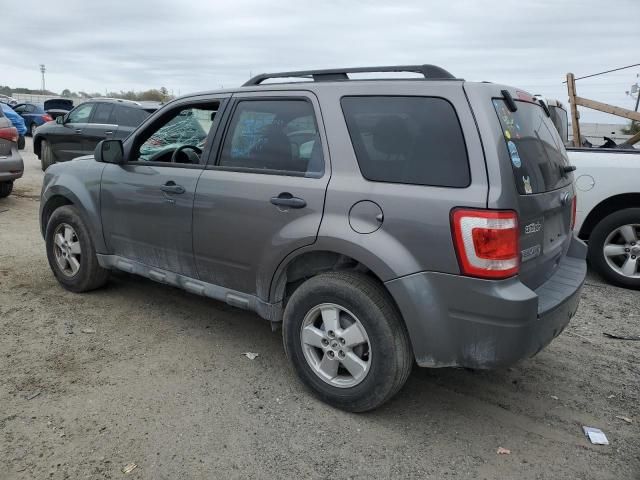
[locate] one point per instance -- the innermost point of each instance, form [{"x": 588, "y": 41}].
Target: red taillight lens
[
  {"x": 574, "y": 206},
  {"x": 47, "y": 118},
  {"x": 486, "y": 242},
  {"x": 9, "y": 133}
]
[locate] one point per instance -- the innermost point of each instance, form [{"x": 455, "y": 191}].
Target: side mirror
[
  {"x": 60, "y": 119},
  {"x": 109, "y": 151}
]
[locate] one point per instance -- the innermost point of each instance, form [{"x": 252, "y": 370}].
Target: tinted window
[
  {"x": 536, "y": 150},
  {"x": 81, "y": 114},
  {"x": 414, "y": 140},
  {"x": 129, "y": 117},
  {"x": 102, "y": 113},
  {"x": 274, "y": 135}
]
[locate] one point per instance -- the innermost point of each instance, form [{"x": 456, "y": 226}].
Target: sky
[{"x": 189, "y": 46}]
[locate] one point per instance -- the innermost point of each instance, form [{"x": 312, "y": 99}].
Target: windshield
[{"x": 536, "y": 150}]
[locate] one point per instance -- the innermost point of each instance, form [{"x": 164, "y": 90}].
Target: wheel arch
[
  {"x": 86, "y": 204},
  {"x": 308, "y": 262},
  {"x": 607, "y": 207}
]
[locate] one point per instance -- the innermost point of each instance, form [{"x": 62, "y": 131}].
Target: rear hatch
[
  {"x": 58, "y": 104},
  {"x": 535, "y": 153}
]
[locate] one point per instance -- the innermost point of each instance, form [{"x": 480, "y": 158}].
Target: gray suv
[{"x": 379, "y": 221}]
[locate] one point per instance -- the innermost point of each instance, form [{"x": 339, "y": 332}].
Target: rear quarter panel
[{"x": 415, "y": 234}]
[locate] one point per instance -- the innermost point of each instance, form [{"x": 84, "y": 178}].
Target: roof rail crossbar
[{"x": 430, "y": 72}]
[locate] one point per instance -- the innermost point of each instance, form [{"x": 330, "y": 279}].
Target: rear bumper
[
  {"x": 11, "y": 167},
  {"x": 468, "y": 322}
]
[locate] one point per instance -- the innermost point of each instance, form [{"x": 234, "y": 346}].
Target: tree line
[{"x": 154, "y": 94}]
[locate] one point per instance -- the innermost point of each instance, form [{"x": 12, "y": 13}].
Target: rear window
[
  {"x": 412, "y": 140},
  {"x": 536, "y": 150}
]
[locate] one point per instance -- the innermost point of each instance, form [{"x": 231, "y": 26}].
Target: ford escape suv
[{"x": 381, "y": 221}]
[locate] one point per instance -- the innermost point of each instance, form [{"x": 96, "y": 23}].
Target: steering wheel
[{"x": 197, "y": 150}]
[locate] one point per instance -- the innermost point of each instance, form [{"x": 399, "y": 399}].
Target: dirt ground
[{"x": 147, "y": 374}]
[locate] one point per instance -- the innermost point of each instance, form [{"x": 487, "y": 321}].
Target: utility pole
[{"x": 42, "y": 70}]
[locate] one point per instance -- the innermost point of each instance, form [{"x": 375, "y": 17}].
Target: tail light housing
[
  {"x": 486, "y": 242},
  {"x": 47, "y": 118},
  {"x": 574, "y": 205},
  {"x": 9, "y": 133}
]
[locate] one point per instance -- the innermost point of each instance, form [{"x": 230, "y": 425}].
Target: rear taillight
[
  {"x": 47, "y": 118},
  {"x": 9, "y": 133},
  {"x": 574, "y": 205},
  {"x": 486, "y": 242}
]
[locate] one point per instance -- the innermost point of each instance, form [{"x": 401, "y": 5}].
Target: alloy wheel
[
  {"x": 66, "y": 249},
  {"x": 336, "y": 345},
  {"x": 622, "y": 250}
]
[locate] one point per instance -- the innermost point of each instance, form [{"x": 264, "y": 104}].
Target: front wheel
[
  {"x": 347, "y": 341},
  {"x": 70, "y": 251},
  {"x": 614, "y": 248}
]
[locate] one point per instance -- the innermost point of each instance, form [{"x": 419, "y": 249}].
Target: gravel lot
[{"x": 160, "y": 381}]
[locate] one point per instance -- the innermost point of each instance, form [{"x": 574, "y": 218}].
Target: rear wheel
[
  {"x": 70, "y": 251},
  {"x": 46, "y": 155},
  {"x": 5, "y": 189},
  {"x": 614, "y": 248},
  {"x": 346, "y": 340}
]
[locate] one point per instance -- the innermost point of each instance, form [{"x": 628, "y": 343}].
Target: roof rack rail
[
  {"x": 121, "y": 100},
  {"x": 430, "y": 72}
]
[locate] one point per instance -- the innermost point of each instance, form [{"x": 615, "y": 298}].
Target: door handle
[
  {"x": 285, "y": 199},
  {"x": 78, "y": 130},
  {"x": 171, "y": 187},
  {"x": 108, "y": 133}
]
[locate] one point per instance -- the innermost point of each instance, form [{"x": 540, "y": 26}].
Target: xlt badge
[{"x": 533, "y": 227}]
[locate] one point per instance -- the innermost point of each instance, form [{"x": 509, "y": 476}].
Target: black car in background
[{"x": 78, "y": 132}]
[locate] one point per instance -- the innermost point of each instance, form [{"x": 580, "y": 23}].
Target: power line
[{"x": 607, "y": 71}]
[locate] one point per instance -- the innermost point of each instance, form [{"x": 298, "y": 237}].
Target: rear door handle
[
  {"x": 78, "y": 130},
  {"x": 108, "y": 133},
  {"x": 171, "y": 187},
  {"x": 285, "y": 199}
]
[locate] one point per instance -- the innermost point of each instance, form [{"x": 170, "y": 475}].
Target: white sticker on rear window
[
  {"x": 526, "y": 182},
  {"x": 513, "y": 152}
]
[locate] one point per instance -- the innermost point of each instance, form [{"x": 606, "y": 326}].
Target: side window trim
[{"x": 214, "y": 163}]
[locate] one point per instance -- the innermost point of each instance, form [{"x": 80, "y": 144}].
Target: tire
[
  {"x": 89, "y": 275},
  {"x": 359, "y": 298},
  {"x": 32, "y": 129},
  {"x": 46, "y": 155},
  {"x": 622, "y": 248},
  {"x": 5, "y": 189}
]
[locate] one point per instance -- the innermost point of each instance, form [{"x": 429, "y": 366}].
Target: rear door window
[
  {"x": 102, "y": 113},
  {"x": 412, "y": 140},
  {"x": 129, "y": 117},
  {"x": 274, "y": 136},
  {"x": 535, "y": 148}
]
